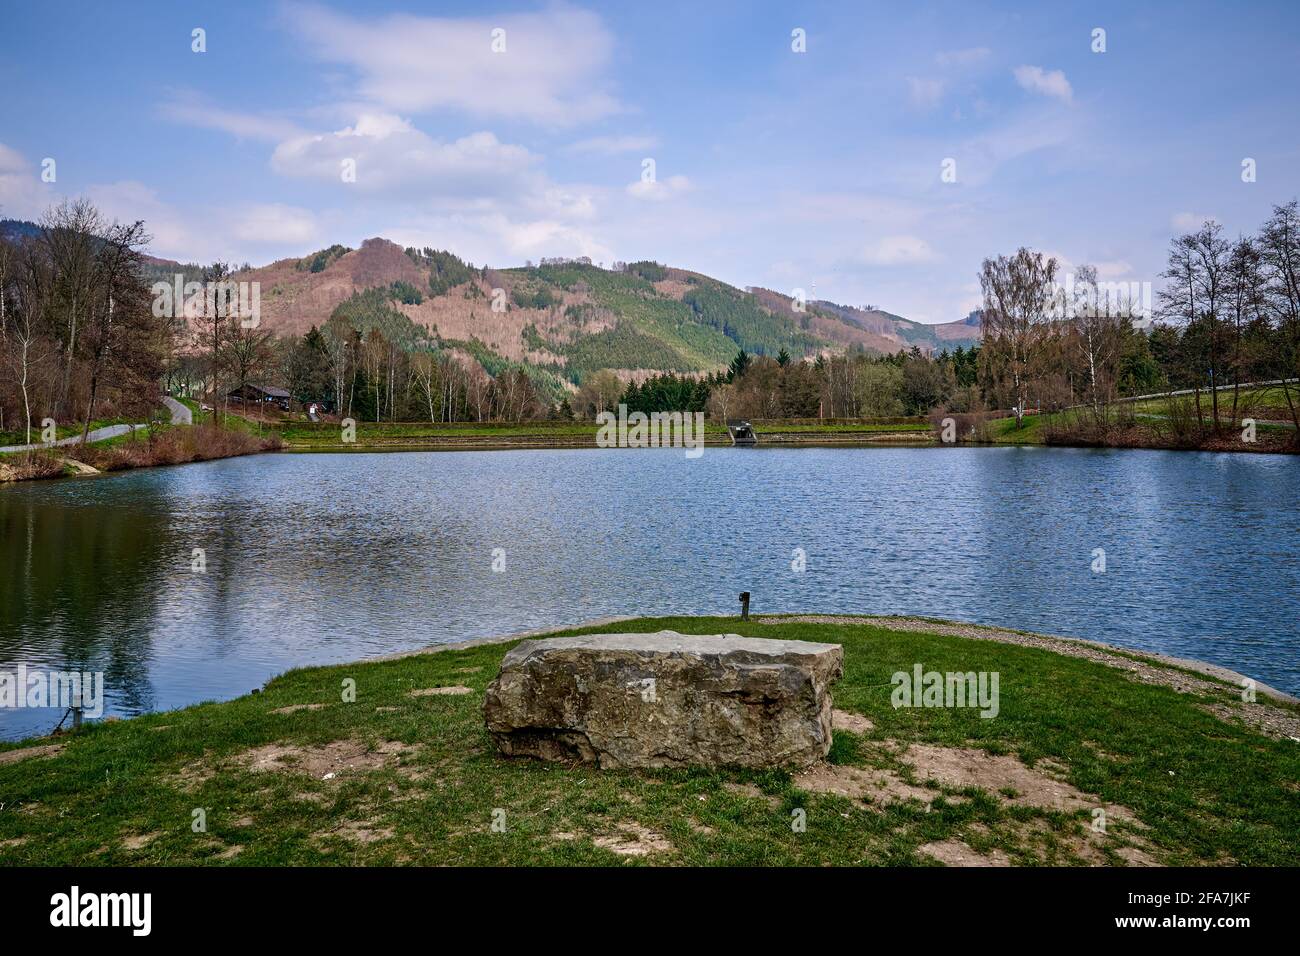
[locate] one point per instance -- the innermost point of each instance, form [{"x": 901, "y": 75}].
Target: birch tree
[{"x": 1019, "y": 296}]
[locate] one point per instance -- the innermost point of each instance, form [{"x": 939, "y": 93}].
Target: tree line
[{"x": 1228, "y": 315}]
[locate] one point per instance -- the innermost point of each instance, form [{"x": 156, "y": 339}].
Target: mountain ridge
[{"x": 574, "y": 317}]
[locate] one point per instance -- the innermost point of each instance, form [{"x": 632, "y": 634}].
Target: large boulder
[{"x": 665, "y": 700}]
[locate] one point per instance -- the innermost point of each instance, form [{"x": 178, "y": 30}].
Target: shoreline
[{"x": 499, "y": 437}]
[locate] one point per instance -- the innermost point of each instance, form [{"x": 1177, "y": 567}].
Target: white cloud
[
  {"x": 924, "y": 92},
  {"x": 980, "y": 157},
  {"x": 550, "y": 72},
  {"x": 127, "y": 200},
  {"x": 390, "y": 155},
  {"x": 1190, "y": 221},
  {"x": 658, "y": 190},
  {"x": 1113, "y": 270},
  {"x": 495, "y": 236},
  {"x": 22, "y": 194},
  {"x": 274, "y": 223},
  {"x": 1048, "y": 83},
  {"x": 207, "y": 233},
  {"x": 613, "y": 145},
  {"x": 898, "y": 250},
  {"x": 192, "y": 110}
]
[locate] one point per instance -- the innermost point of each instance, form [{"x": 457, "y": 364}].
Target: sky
[{"x": 869, "y": 154}]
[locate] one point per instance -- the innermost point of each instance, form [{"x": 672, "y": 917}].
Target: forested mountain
[{"x": 565, "y": 319}]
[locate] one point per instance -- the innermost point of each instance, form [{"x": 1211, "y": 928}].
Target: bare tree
[
  {"x": 69, "y": 234},
  {"x": 25, "y": 282},
  {"x": 1019, "y": 294},
  {"x": 1212, "y": 250},
  {"x": 1280, "y": 248},
  {"x": 116, "y": 291},
  {"x": 1245, "y": 295},
  {"x": 247, "y": 351},
  {"x": 208, "y": 312},
  {"x": 338, "y": 336},
  {"x": 1097, "y": 334},
  {"x": 1198, "y": 282},
  {"x": 424, "y": 370}
]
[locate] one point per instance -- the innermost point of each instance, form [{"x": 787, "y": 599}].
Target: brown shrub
[
  {"x": 971, "y": 426},
  {"x": 174, "y": 446},
  {"x": 31, "y": 464}
]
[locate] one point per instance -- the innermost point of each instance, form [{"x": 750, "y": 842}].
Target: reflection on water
[{"x": 319, "y": 558}]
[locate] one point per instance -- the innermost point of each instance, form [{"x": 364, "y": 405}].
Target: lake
[{"x": 326, "y": 558}]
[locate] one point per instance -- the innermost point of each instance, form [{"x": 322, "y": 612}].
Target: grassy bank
[
  {"x": 408, "y": 775},
  {"x": 1169, "y": 422},
  {"x": 175, "y": 445},
  {"x": 565, "y": 434}
]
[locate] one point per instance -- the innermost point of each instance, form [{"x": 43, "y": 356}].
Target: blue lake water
[{"x": 324, "y": 558}]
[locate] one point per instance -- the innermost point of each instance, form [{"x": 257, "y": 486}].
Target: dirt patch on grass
[
  {"x": 140, "y": 840},
  {"x": 28, "y": 753},
  {"x": 294, "y": 708},
  {"x": 1135, "y": 856},
  {"x": 858, "y": 783},
  {"x": 853, "y": 723},
  {"x": 956, "y": 853},
  {"x": 334, "y": 759},
  {"x": 454, "y": 690},
  {"x": 634, "y": 840},
  {"x": 961, "y": 767},
  {"x": 1043, "y": 789},
  {"x": 194, "y": 775}
]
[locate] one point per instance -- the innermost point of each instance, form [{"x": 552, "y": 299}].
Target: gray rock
[{"x": 665, "y": 700}]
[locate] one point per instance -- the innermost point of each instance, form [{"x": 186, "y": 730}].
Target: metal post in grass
[{"x": 744, "y": 605}]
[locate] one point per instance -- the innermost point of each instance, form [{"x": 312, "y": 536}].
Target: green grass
[
  {"x": 1004, "y": 431},
  {"x": 1268, "y": 396},
  {"x": 308, "y": 434},
  {"x": 1206, "y": 791}
]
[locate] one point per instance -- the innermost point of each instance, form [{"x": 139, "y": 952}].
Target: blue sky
[{"x": 818, "y": 170}]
